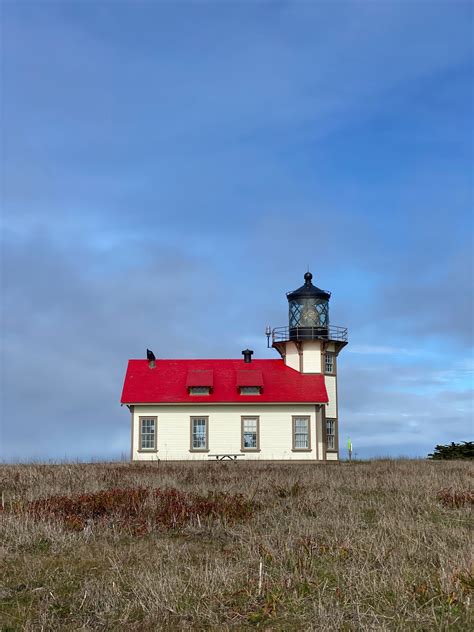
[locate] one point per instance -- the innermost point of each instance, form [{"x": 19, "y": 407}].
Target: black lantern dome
[{"x": 308, "y": 311}]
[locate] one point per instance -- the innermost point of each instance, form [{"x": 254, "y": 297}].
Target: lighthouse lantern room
[{"x": 309, "y": 330}]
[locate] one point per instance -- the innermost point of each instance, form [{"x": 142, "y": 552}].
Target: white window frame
[
  {"x": 307, "y": 447},
  {"x": 151, "y": 431},
  {"x": 331, "y": 423},
  {"x": 194, "y": 435},
  {"x": 330, "y": 362},
  {"x": 256, "y": 420}
]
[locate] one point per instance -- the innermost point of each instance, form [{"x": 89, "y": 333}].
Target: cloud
[
  {"x": 394, "y": 408},
  {"x": 70, "y": 333},
  {"x": 434, "y": 302},
  {"x": 381, "y": 350},
  {"x": 170, "y": 172}
]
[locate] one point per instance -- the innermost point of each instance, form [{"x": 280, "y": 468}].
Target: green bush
[{"x": 463, "y": 450}]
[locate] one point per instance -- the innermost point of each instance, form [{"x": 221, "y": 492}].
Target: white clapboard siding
[
  {"x": 225, "y": 431},
  {"x": 331, "y": 408},
  {"x": 292, "y": 356},
  {"x": 312, "y": 357}
]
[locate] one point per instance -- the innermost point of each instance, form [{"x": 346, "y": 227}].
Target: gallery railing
[{"x": 332, "y": 332}]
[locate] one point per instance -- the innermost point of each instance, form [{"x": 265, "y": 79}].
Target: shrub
[
  {"x": 455, "y": 497},
  {"x": 463, "y": 450},
  {"x": 140, "y": 509}
]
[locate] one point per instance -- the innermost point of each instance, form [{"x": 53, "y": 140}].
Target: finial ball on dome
[{"x": 307, "y": 277}]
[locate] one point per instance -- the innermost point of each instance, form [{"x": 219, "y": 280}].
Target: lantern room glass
[{"x": 308, "y": 312}]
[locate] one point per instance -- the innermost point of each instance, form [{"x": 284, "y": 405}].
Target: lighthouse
[
  {"x": 245, "y": 408},
  {"x": 311, "y": 345}
]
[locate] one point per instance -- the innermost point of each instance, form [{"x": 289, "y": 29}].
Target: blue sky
[{"x": 169, "y": 171}]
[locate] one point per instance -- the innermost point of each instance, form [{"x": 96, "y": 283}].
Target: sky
[{"x": 171, "y": 170}]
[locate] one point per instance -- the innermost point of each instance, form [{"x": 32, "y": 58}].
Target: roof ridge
[{"x": 208, "y": 360}]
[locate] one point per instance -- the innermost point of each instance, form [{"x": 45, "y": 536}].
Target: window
[
  {"x": 250, "y": 434},
  {"x": 301, "y": 431},
  {"x": 331, "y": 434},
  {"x": 147, "y": 441},
  {"x": 329, "y": 364},
  {"x": 308, "y": 312},
  {"x": 199, "y": 436},
  {"x": 199, "y": 390},
  {"x": 323, "y": 309},
  {"x": 250, "y": 390},
  {"x": 295, "y": 314}
]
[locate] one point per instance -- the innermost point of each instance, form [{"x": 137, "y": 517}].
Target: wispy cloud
[{"x": 382, "y": 350}]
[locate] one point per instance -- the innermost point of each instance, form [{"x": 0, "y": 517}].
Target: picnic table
[{"x": 225, "y": 457}]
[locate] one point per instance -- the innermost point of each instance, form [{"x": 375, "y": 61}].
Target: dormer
[
  {"x": 200, "y": 382},
  {"x": 249, "y": 381}
]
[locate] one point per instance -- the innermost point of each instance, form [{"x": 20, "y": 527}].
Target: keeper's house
[{"x": 280, "y": 409}]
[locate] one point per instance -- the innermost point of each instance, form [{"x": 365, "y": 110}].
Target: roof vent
[
  {"x": 247, "y": 353},
  {"x": 150, "y": 356}
]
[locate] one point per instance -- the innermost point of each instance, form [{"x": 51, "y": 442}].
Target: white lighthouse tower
[{"x": 311, "y": 345}]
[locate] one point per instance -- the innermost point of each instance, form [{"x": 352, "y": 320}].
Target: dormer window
[
  {"x": 250, "y": 390},
  {"x": 249, "y": 381},
  {"x": 199, "y": 390}
]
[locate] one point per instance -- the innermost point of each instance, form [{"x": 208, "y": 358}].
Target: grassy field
[{"x": 363, "y": 546}]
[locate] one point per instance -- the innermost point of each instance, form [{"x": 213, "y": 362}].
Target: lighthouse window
[
  {"x": 199, "y": 435},
  {"x": 147, "y": 440},
  {"x": 322, "y": 309},
  {"x": 331, "y": 434},
  {"x": 301, "y": 438},
  {"x": 250, "y": 433},
  {"x": 329, "y": 362},
  {"x": 295, "y": 314},
  {"x": 309, "y": 312}
]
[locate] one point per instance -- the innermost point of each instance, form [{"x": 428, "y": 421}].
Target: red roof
[{"x": 168, "y": 382}]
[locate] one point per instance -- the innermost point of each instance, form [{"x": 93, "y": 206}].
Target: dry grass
[{"x": 362, "y": 546}]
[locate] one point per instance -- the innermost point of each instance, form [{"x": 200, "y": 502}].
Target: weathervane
[{"x": 268, "y": 333}]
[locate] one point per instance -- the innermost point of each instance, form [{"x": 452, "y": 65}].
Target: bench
[{"x": 225, "y": 457}]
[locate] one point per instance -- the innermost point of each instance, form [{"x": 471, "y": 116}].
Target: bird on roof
[{"x": 150, "y": 356}]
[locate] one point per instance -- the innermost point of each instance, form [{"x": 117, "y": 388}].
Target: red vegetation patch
[
  {"x": 456, "y": 498},
  {"x": 140, "y": 510}
]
